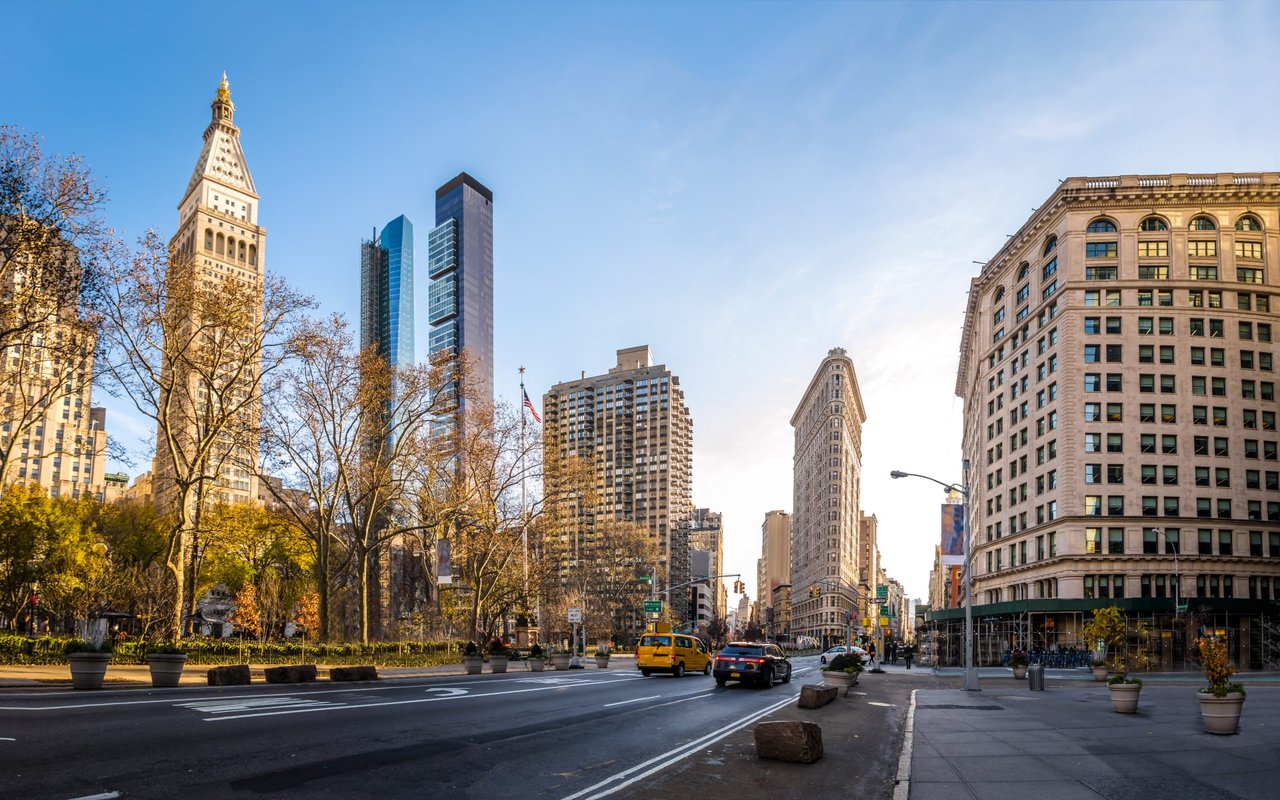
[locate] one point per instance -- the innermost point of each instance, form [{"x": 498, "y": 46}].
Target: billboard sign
[{"x": 953, "y": 533}]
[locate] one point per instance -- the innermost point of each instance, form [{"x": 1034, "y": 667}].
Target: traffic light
[{"x": 739, "y": 587}]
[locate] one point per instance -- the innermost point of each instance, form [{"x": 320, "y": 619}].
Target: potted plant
[
  {"x": 1018, "y": 660},
  {"x": 472, "y": 658},
  {"x": 166, "y": 662},
  {"x": 88, "y": 662},
  {"x": 842, "y": 671},
  {"x": 1222, "y": 700},
  {"x": 560, "y": 659},
  {"x": 1108, "y": 629},
  {"x": 498, "y": 655},
  {"x": 537, "y": 658},
  {"x": 602, "y": 656}
]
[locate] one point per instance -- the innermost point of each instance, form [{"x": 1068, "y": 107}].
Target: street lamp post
[{"x": 970, "y": 674}]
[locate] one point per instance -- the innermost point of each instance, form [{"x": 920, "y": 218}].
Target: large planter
[
  {"x": 1019, "y": 671},
  {"x": 602, "y": 662},
  {"x": 474, "y": 664},
  {"x": 1099, "y": 674},
  {"x": 1221, "y": 714},
  {"x": 166, "y": 668},
  {"x": 88, "y": 669},
  {"x": 537, "y": 664},
  {"x": 1124, "y": 697},
  {"x": 498, "y": 664},
  {"x": 560, "y": 661},
  {"x": 840, "y": 679}
]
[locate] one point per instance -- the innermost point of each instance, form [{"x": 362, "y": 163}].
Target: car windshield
[
  {"x": 655, "y": 641},
  {"x": 741, "y": 650}
]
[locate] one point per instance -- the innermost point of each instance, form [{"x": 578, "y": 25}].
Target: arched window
[
  {"x": 1153, "y": 224},
  {"x": 999, "y": 295},
  {"x": 1101, "y": 225},
  {"x": 1203, "y": 224},
  {"x": 222, "y": 244},
  {"x": 253, "y": 255},
  {"x": 1248, "y": 223},
  {"x": 1024, "y": 270},
  {"x": 208, "y": 239},
  {"x": 1050, "y": 245}
]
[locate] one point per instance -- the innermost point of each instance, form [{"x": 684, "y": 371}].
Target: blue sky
[{"x": 741, "y": 186}]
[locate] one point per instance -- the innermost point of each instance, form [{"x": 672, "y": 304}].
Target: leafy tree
[
  {"x": 37, "y": 535},
  {"x": 51, "y": 236},
  {"x": 246, "y": 616},
  {"x": 247, "y": 544},
  {"x": 191, "y": 355}
]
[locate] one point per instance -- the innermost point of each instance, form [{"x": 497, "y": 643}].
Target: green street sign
[
  {"x": 884, "y": 611},
  {"x": 653, "y": 606},
  {"x": 1182, "y": 608},
  {"x": 645, "y": 579},
  {"x": 882, "y": 591}
]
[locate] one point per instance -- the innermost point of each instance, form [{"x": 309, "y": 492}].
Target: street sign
[
  {"x": 1182, "y": 608},
  {"x": 884, "y": 622},
  {"x": 866, "y": 622},
  {"x": 653, "y": 606},
  {"x": 882, "y": 591},
  {"x": 575, "y": 614},
  {"x": 884, "y": 611}
]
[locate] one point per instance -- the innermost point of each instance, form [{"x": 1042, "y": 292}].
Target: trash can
[{"x": 1035, "y": 677}]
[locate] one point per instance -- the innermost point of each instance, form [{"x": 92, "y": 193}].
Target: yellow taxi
[{"x": 661, "y": 650}]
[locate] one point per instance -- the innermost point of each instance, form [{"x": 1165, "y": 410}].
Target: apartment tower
[
  {"x": 827, "y": 476},
  {"x": 386, "y": 292},
  {"x": 460, "y": 266},
  {"x": 1117, "y": 369},
  {"x": 633, "y": 426},
  {"x": 706, "y": 533}
]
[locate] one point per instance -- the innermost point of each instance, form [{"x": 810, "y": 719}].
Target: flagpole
[{"x": 524, "y": 514}]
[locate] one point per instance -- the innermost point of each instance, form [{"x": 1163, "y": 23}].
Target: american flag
[{"x": 529, "y": 405}]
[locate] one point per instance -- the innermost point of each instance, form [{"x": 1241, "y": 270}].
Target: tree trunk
[{"x": 322, "y": 587}]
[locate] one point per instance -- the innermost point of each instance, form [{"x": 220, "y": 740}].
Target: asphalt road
[{"x": 572, "y": 735}]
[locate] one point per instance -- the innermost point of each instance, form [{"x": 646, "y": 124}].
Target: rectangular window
[
  {"x": 1093, "y": 541},
  {"x": 1100, "y": 250},
  {"x": 1115, "y": 541},
  {"x": 1158, "y": 249},
  {"x": 1202, "y": 249},
  {"x": 1100, "y": 273},
  {"x": 1251, "y": 250}
]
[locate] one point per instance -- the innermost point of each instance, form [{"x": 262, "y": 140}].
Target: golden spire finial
[{"x": 224, "y": 91}]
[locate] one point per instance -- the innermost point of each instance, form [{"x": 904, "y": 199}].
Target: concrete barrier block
[
  {"x": 790, "y": 740},
  {"x": 816, "y": 696},
  {"x": 365, "y": 673},
  {"x": 235, "y": 675},
  {"x": 294, "y": 673}
]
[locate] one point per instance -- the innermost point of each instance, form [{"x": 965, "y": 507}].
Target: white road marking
[
  {"x": 448, "y": 691},
  {"x": 255, "y": 704},
  {"x": 7, "y": 739},
  {"x": 103, "y": 796},
  {"x": 634, "y": 700},
  {"x": 348, "y": 707},
  {"x": 882, "y": 705},
  {"x": 682, "y": 700},
  {"x": 665, "y": 760}
]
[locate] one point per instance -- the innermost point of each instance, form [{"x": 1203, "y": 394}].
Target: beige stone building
[
  {"x": 218, "y": 236},
  {"x": 1118, "y": 375},
  {"x": 773, "y": 573},
  {"x": 633, "y": 426},
  {"x": 826, "y": 562}
]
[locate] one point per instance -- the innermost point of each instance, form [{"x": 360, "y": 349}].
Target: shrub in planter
[
  {"x": 537, "y": 658},
  {"x": 472, "y": 658},
  {"x": 1222, "y": 701},
  {"x": 165, "y": 662},
  {"x": 499, "y": 655}
]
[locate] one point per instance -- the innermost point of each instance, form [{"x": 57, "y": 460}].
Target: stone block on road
[
  {"x": 294, "y": 673},
  {"x": 792, "y": 740},
  {"x": 365, "y": 673},
  {"x": 236, "y": 675},
  {"x": 816, "y": 696}
]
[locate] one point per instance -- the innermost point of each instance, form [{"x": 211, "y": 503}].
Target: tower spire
[{"x": 223, "y": 108}]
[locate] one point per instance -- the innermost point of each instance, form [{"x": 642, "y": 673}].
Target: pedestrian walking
[
  {"x": 906, "y": 655},
  {"x": 871, "y": 648}
]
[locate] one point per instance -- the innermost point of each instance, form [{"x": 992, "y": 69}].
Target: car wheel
[
  {"x": 646, "y": 672},
  {"x": 787, "y": 679},
  {"x": 824, "y": 659},
  {"x": 721, "y": 681},
  {"x": 770, "y": 679},
  {"x": 678, "y": 670},
  {"x": 706, "y": 668}
]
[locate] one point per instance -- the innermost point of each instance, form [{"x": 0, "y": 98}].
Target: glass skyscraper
[
  {"x": 386, "y": 292},
  {"x": 460, "y": 265}
]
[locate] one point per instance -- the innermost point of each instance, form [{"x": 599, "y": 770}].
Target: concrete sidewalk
[
  {"x": 1068, "y": 744},
  {"x": 121, "y": 676}
]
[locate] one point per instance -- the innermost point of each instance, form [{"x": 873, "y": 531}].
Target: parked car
[
  {"x": 840, "y": 650},
  {"x": 752, "y": 662}
]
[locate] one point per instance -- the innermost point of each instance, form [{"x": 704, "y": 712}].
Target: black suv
[{"x": 752, "y": 662}]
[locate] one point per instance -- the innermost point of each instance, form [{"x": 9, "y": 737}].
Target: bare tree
[
  {"x": 191, "y": 352},
  {"x": 50, "y": 237}
]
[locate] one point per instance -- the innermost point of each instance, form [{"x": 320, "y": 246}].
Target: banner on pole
[
  {"x": 953, "y": 533},
  {"x": 444, "y": 563}
]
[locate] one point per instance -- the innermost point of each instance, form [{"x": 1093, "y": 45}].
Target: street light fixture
[{"x": 970, "y": 674}]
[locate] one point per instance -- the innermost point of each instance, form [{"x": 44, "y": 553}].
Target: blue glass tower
[
  {"x": 386, "y": 292},
  {"x": 460, "y": 265}
]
